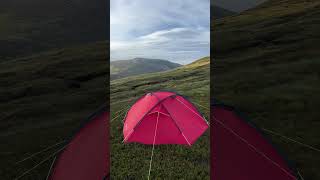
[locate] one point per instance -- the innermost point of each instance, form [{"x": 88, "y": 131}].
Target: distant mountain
[
  {"x": 218, "y": 12},
  {"x": 236, "y": 5},
  {"x": 136, "y": 66}
]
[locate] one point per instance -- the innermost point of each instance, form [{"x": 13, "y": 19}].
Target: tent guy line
[
  {"x": 300, "y": 174},
  {"x": 292, "y": 140},
  {"x": 206, "y": 108},
  {"x": 253, "y": 147},
  {"x": 193, "y": 111},
  {"x": 51, "y": 166},
  {"x": 43, "y": 150},
  {"x": 41, "y": 162},
  {"x": 122, "y": 109},
  {"x": 123, "y": 101},
  {"x": 154, "y": 140},
  {"x": 121, "y": 113},
  {"x": 87, "y": 153}
]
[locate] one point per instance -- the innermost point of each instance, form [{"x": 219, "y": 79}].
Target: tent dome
[{"x": 169, "y": 116}]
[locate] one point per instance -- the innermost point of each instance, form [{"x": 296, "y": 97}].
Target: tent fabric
[
  {"x": 239, "y": 151},
  {"x": 175, "y": 119},
  {"x": 86, "y": 156}
]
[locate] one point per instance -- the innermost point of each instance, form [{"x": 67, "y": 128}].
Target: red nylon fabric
[
  {"x": 239, "y": 151},
  {"x": 87, "y": 154},
  {"x": 179, "y": 122}
]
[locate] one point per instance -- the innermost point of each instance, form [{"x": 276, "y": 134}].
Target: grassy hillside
[
  {"x": 169, "y": 161},
  {"x": 32, "y": 26},
  {"x": 236, "y": 5},
  {"x": 136, "y": 66},
  {"x": 266, "y": 62},
  {"x": 43, "y": 99},
  {"x": 218, "y": 12}
]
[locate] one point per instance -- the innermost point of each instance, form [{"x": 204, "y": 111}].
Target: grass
[
  {"x": 266, "y": 63},
  {"x": 53, "y": 74},
  {"x": 28, "y": 27},
  {"x": 46, "y": 97},
  {"x": 131, "y": 161}
]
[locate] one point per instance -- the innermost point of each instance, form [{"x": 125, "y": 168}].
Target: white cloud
[{"x": 177, "y": 30}]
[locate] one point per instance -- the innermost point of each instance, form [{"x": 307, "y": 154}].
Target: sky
[{"x": 174, "y": 30}]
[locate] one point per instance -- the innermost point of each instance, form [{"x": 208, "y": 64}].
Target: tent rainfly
[
  {"x": 240, "y": 151},
  {"x": 86, "y": 156},
  {"x": 163, "y": 118}
]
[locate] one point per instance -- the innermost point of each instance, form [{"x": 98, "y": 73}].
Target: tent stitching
[{"x": 160, "y": 113}]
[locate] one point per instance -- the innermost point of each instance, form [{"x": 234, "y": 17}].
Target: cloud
[{"x": 175, "y": 30}]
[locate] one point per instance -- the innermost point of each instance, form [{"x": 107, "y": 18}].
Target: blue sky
[{"x": 176, "y": 30}]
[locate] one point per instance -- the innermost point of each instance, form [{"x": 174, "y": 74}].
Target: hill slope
[
  {"x": 53, "y": 70},
  {"x": 218, "y": 12},
  {"x": 266, "y": 62},
  {"x": 236, "y": 5},
  {"x": 169, "y": 161},
  {"x": 32, "y": 26},
  {"x": 46, "y": 97},
  {"x": 136, "y": 66}
]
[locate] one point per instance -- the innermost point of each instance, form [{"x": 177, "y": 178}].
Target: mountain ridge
[{"x": 137, "y": 66}]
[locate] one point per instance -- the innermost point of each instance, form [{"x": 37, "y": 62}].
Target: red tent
[
  {"x": 163, "y": 118},
  {"x": 240, "y": 151},
  {"x": 86, "y": 155}
]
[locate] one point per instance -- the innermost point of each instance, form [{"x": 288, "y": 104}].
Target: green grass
[
  {"x": 266, "y": 63},
  {"x": 53, "y": 74},
  {"x": 28, "y": 27},
  {"x": 169, "y": 161},
  {"x": 43, "y": 99},
  {"x": 219, "y": 12}
]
